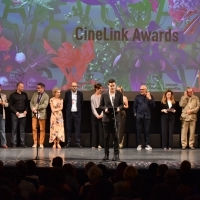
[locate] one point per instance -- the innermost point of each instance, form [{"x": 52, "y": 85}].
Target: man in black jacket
[
  {"x": 111, "y": 103},
  {"x": 73, "y": 105},
  {"x": 142, "y": 105}
]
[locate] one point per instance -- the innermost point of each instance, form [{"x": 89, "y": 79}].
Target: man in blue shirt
[{"x": 142, "y": 105}]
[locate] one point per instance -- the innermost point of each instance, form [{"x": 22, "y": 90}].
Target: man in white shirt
[{"x": 73, "y": 104}]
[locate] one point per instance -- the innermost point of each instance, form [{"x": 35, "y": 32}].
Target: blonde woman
[
  {"x": 57, "y": 134},
  {"x": 167, "y": 119},
  {"x": 122, "y": 118}
]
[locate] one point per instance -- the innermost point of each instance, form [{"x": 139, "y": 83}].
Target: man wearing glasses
[
  {"x": 73, "y": 105},
  {"x": 38, "y": 104},
  {"x": 190, "y": 106},
  {"x": 142, "y": 111}
]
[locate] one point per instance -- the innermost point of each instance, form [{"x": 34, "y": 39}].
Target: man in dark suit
[
  {"x": 111, "y": 100},
  {"x": 73, "y": 103}
]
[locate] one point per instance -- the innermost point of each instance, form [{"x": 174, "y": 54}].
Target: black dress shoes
[
  {"x": 115, "y": 157},
  {"x": 23, "y": 146},
  {"x": 78, "y": 146},
  {"x": 106, "y": 157},
  {"x": 13, "y": 145},
  {"x": 67, "y": 146}
]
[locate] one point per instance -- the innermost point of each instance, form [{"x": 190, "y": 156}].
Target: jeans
[
  {"x": 140, "y": 122},
  {"x": 22, "y": 124},
  {"x": 2, "y": 130}
]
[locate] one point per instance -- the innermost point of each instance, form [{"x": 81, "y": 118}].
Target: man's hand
[
  {"x": 106, "y": 110},
  {"x": 118, "y": 109},
  {"x": 189, "y": 112},
  {"x": 25, "y": 112},
  {"x": 17, "y": 114},
  {"x": 148, "y": 95},
  {"x": 2, "y": 103},
  {"x": 185, "y": 94}
]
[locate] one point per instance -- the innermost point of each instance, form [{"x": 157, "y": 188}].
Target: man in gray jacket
[
  {"x": 190, "y": 106},
  {"x": 3, "y": 104},
  {"x": 38, "y": 104}
]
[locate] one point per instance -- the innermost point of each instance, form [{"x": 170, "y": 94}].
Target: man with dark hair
[
  {"x": 3, "y": 104},
  {"x": 38, "y": 104},
  {"x": 57, "y": 162},
  {"x": 73, "y": 105},
  {"x": 18, "y": 103},
  {"x": 111, "y": 103}
]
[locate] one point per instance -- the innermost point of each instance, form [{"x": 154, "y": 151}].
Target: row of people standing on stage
[
  {"x": 190, "y": 106},
  {"x": 18, "y": 103}
]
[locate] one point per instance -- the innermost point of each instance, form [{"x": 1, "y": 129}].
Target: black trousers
[
  {"x": 140, "y": 122},
  {"x": 22, "y": 124},
  {"x": 109, "y": 128},
  {"x": 76, "y": 120},
  {"x": 167, "y": 132},
  {"x": 97, "y": 131},
  {"x": 122, "y": 126}
]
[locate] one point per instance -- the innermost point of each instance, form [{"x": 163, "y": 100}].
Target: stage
[{"x": 79, "y": 157}]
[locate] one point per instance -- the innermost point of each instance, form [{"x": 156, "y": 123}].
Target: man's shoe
[
  {"x": 34, "y": 146},
  {"x": 192, "y": 148},
  {"x": 4, "y": 146},
  {"x": 115, "y": 157},
  {"x": 13, "y": 145},
  {"x": 23, "y": 145},
  {"x": 78, "y": 146},
  {"x": 106, "y": 157},
  {"x": 67, "y": 146},
  {"x": 148, "y": 147},
  {"x": 139, "y": 147},
  {"x": 183, "y": 148}
]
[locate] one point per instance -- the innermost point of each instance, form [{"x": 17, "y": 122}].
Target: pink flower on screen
[
  {"x": 72, "y": 61},
  {"x": 5, "y": 44}
]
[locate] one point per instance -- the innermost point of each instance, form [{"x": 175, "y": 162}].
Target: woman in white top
[
  {"x": 122, "y": 118},
  {"x": 96, "y": 118}
]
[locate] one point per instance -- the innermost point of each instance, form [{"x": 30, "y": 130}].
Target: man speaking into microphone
[
  {"x": 142, "y": 111},
  {"x": 111, "y": 103},
  {"x": 38, "y": 104}
]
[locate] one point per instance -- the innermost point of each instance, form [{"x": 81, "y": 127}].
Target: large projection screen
[{"x": 136, "y": 42}]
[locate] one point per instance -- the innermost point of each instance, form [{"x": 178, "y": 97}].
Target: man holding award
[
  {"x": 111, "y": 103},
  {"x": 38, "y": 104},
  {"x": 18, "y": 103}
]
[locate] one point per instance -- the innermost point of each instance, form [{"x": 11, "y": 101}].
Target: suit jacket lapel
[{"x": 109, "y": 101}]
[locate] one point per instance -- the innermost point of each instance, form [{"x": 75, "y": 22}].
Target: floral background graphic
[{"x": 38, "y": 44}]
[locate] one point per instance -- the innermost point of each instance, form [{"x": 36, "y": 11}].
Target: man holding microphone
[
  {"x": 142, "y": 111},
  {"x": 111, "y": 103}
]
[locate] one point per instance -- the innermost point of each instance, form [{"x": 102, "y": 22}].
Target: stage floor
[{"x": 79, "y": 157}]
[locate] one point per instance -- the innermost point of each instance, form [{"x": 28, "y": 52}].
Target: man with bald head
[
  {"x": 73, "y": 105},
  {"x": 142, "y": 111},
  {"x": 190, "y": 106}
]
